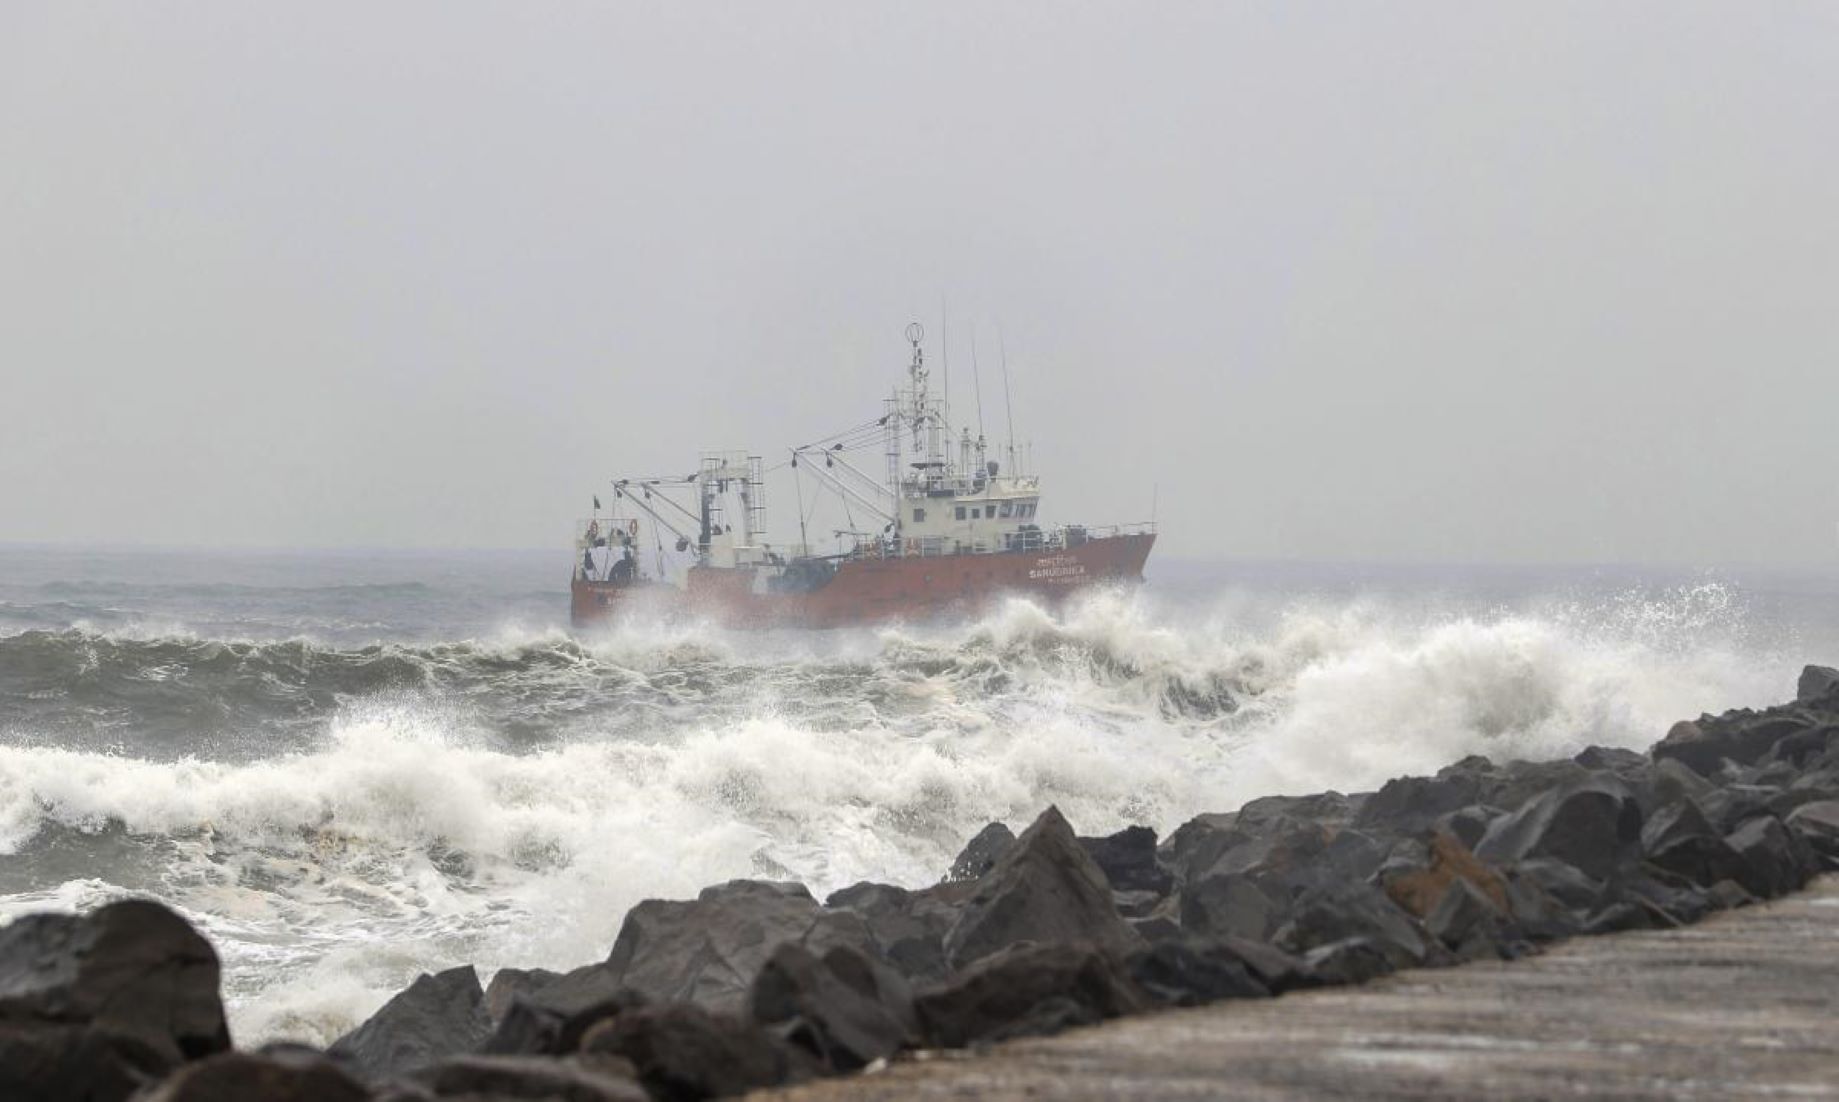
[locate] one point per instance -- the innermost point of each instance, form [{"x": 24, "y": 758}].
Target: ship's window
[
  {"x": 960, "y": 512},
  {"x": 1007, "y": 509},
  {"x": 919, "y": 516}
]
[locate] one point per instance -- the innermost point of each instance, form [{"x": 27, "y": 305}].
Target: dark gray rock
[
  {"x": 1775, "y": 860},
  {"x": 1128, "y": 859},
  {"x": 1592, "y": 823},
  {"x": 1681, "y": 840},
  {"x": 436, "y": 1016},
  {"x": 1325, "y": 809},
  {"x": 1198, "y": 842},
  {"x": 1472, "y": 925},
  {"x": 1028, "y": 990},
  {"x": 54, "y": 1062},
  {"x": 1045, "y": 888},
  {"x": 1818, "y": 685},
  {"x": 132, "y": 968},
  {"x": 511, "y": 983},
  {"x": 709, "y": 950},
  {"x": 283, "y": 1076},
  {"x": 1353, "y": 960},
  {"x": 1193, "y": 972},
  {"x": 1230, "y": 904},
  {"x": 583, "y": 1078},
  {"x": 683, "y": 1052},
  {"x": 909, "y": 926},
  {"x": 1741, "y": 737},
  {"x": 1818, "y": 825},
  {"x": 982, "y": 852},
  {"x": 1357, "y": 911},
  {"x": 840, "y": 1022},
  {"x": 552, "y": 1018},
  {"x": 1468, "y": 824},
  {"x": 1412, "y": 805}
]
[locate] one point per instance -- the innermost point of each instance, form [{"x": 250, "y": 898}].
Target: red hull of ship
[{"x": 870, "y": 590}]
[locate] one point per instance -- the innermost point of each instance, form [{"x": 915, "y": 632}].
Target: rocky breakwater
[{"x": 755, "y": 984}]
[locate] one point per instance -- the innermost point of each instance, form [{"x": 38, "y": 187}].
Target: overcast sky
[{"x": 1463, "y": 282}]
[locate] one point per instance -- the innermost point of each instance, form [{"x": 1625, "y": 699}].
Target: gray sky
[{"x": 1425, "y": 282}]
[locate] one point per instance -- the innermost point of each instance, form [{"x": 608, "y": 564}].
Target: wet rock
[
  {"x": 708, "y": 951},
  {"x": 1328, "y": 809},
  {"x": 1729, "y": 806},
  {"x": 286, "y": 1076},
  {"x": 1353, "y": 960},
  {"x": 1681, "y": 840},
  {"x": 552, "y": 1018},
  {"x": 1357, "y": 911},
  {"x": 1231, "y": 904},
  {"x": 1592, "y": 823},
  {"x": 1741, "y": 737},
  {"x": 909, "y": 926},
  {"x": 1473, "y": 925},
  {"x": 982, "y": 852},
  {"x": 585, "y": 1078},
  {"x": 1193, "y": 972},
  {"x": 1675, "y": 781},
  {"x": 1775, "y": 860},
  {"x": 436, "y": 1016},
  {"x": 1818, "y": 685},
  {"x": 1818, "y": 825},
  {"x": 1513, "y": 784},
  {"x": 1028, "y": 990},
  {"x": 1198, "y": 842},
  {"x": 1045, "y": 888},
  {"x": 133, "y": 969},
  {"x": 1410, "y": 805},
  {"x": 55, "y": 1062},
  {"x": 1128, "y": 860},
  {"x": 684, "y": 1052},
  {"x": 1536, "y": 911},
  {"x": 1467, "y": 824},
  {"x": 842, "y": 1023},
  {"x": 510, "y": 983}
]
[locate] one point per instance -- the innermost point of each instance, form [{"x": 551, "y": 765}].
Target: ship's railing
[{"x": 1063, "y": 538}]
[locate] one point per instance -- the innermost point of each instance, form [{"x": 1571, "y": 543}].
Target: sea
[{"x": 349, "y": 768}]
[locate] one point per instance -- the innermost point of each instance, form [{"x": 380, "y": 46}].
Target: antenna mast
[{"x": 1008, "y": 402}]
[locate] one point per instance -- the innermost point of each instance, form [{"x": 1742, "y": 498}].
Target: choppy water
[{"x": 349, "y": 768}]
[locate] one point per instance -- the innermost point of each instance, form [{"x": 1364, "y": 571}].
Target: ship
[{"x": 944, "y": 531}]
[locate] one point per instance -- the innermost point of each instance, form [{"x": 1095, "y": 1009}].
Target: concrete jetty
[{"x": 1742, "y": 1005}]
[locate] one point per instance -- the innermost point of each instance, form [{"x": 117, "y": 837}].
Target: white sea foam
[{"x": 403, "y": 841}]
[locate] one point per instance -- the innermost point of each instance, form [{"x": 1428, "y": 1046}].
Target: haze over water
[{"x": 352, "y": 767}]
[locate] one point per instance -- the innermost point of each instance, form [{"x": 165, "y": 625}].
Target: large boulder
[
  {"x": 1029, "y": 990},
  {"x": 132, "y": 969},
  {"x": 1231, "y": 905},
  {"x": 281, "y": 1076},
  {"x": 510, "y": 984},
  {"x": 909, "y": 926},
  {"x": 551, "y": 1018},
  {"x": 981, "y": 853},
  {"x": 1742, "y": 736},
  {"x": 1681, "y": 840},
  {"x": 1592, "y": 823},
  {"x": 438, "y": 1015},
  {"x": 1775, "y": 860},
  {"x": 1819, "y": 685},
  {"x": 1362, "y": 911},
  {"x": 708, "y": 951},
  {"x": 1412, "y": 805},
  {"x": 684, "y": 1052},
  {"x": 1818, "y": 825},
  {"x": 55, "y": 1062},
  {"x": 1128, "y": 859},
  {"x": 843, "y": 1010},
  {"x": 1046, "y": 888},
  {"x": 1193, "y": 972},
  {"x": 582, "y": 1078}
]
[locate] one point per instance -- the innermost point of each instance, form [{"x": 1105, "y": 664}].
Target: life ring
[{"x": 632, "y": 527}]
